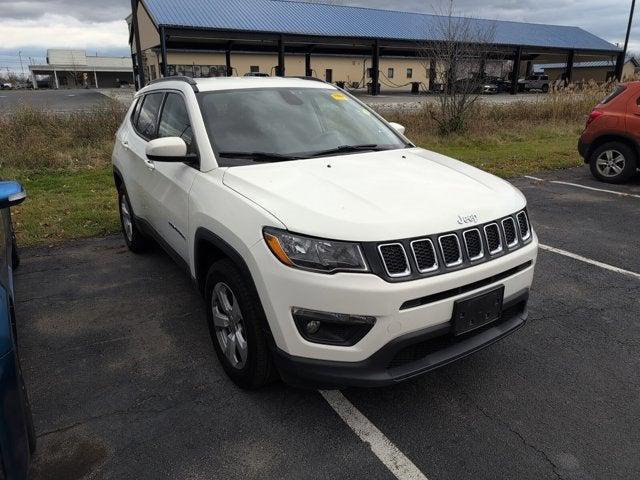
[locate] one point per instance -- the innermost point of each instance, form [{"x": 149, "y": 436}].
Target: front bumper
[
  {"x": 401, "y": 309},
  {"x": 403, "y": 358}
]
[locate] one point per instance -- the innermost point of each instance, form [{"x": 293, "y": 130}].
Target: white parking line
[
  {"x": 570, "y": 184},
  {"x": 381, "y": 446},
  {"x": 589, "y": 261},
  {"x": 622, "y": 194}
]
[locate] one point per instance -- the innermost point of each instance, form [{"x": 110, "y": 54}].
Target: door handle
[
  {"x": 150, "y": 165},
  {"x": 125, "y": 144}
]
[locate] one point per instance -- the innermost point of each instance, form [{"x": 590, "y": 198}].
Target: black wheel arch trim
[
  {"x": 611, "y": 136},
  {"x": 204, "y": 234}
]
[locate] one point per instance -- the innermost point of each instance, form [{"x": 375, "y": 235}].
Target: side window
[
  {"x": 136, "y": 111},
  {"x": 174, "y": 121},
  {"x": 146, "y": 123}
]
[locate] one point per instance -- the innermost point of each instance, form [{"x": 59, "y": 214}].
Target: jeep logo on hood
[{"x": 468, "y": 219}]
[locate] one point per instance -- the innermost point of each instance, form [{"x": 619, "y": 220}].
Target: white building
[{"x": 76, "y": 69}]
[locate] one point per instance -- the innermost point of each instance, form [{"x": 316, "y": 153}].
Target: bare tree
[{"x": 458, "y": 53}]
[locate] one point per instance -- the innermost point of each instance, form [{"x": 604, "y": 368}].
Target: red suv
[{"x": 610, "y": 143}]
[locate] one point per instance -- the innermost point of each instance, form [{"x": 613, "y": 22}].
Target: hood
[{"x": 375, "y": 196}]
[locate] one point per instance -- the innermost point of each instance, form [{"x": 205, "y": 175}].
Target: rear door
[
  {"x": 170, "y": 183},
  {"x": 633, "y": 115}
]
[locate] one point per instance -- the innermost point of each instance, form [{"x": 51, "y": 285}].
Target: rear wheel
[
  {"x": 238, "y": 327},
  {"x": 613, "y": 162},
  {"x": 545, "y": 89},
  {"x": 134, "y": 238}
]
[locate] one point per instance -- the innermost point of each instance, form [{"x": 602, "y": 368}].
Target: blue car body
[{"x": 17, "y": 439}]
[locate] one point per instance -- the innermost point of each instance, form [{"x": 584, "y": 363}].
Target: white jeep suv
[{"x": 329, "y": 249}]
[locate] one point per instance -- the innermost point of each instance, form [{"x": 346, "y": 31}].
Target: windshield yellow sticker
[{"x": 341, "y": 97}]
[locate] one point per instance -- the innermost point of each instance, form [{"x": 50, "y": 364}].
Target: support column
[
  {"x": 620, "y": 66},
  {"x": 281, "y": 65},
  {"x": 95, "y": 78},
  {"x": 163, "y": 52},
  {"x": 432, "y": 74},
  {"x": 55, "y": 76},
  {"x": 483, "y": 66},
  {"x": 375, "y": 69},
  {"x": 515, "y": 71},
  {"x": 529, "y": 69},
  {"x": 308, "y": 71},
  {"x": 568, "y": 74},
  {"x": 227, "y": 56},
  {"x": 34, "y": 79},
  {"x": 136, "y": 34}
]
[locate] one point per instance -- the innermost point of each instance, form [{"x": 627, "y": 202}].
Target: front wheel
[
  {"x": 613, "y": 162},
  {"x": 238, "y": 327}
]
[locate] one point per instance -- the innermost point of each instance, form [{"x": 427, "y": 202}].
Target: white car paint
[{"x": 367, "y": 197}]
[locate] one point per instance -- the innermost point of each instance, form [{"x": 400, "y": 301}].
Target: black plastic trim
[{"x": 375, "y": 370}]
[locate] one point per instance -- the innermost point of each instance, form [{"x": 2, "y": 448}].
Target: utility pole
[
  {"x": 623, "y": 56},
  {"x": 22, "y": 67}
]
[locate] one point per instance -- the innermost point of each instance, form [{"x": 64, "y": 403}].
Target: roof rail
[{"x": 177, "y": 78}]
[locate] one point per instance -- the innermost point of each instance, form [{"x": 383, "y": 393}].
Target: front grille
[
  {"x": 425, "y": 255},
  {"x": 473, "y": 242},
  {"x": 394, "y": 259},
  {"x": 450, "y": 248},
  {"x": 510, "y": 234},
  {"x": 407, "y": 259},
  {"x": 494, "y": 242},
  {"x": 523, "y": 222}
]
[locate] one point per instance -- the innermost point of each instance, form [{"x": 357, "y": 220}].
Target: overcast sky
[{"x": 98, "y": 25}]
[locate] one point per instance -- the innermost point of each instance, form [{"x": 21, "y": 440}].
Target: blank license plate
[{"x": 477, "y": 311}]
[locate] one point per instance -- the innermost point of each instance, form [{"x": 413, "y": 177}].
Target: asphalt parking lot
[
  {"x": 71, "y": 100},
  {"x": 125, "y": 384}
]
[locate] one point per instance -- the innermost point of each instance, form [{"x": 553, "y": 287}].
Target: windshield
[{"x": 275, "y": 124}]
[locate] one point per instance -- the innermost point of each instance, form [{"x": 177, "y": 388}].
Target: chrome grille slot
[
  {"x": 424, "y": 255},
  {"x": 473, "y": 243},
  {"x": 394, "y": 259},
  {"x": 451, "y": 251},
  {"x": 494, "y": 242},
  {"x": 510, "y": 234},
  {"x": 523, "y": 223}
]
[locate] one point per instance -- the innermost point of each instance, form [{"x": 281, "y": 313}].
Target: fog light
[
  {"x": 313, "y": 326},
  {"x": 332, "y": 328}
]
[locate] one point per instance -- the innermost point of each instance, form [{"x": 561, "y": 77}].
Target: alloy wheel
[
  {"x": 229, "y": 325},
  {"x": 125, "y": 213},
  {"x": 610, "y": 163}
]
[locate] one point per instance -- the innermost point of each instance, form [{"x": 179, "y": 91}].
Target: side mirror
[
  {"x": 168, "y": 149},
  {"x": 11, "y": 194},
  {"x": 398, "y": 128}
]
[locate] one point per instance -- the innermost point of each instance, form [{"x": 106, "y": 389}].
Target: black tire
[
  {"x": 545, "y": 89},
  {"x": 136, "y": 241},
  {"x": 257, "y": 369},
  {"x": 31, "y": 431},
  {"x": 628, "y": 163}
]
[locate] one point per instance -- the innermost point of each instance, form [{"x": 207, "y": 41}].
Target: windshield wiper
[
  {"x": 348, "y": 149},
  {"x": 259, "y": 156}
]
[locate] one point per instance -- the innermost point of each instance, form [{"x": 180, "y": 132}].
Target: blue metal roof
[{"x": 293, "y": 17}]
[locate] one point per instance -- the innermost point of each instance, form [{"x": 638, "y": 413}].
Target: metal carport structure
[{"x": 310, "y": 28}]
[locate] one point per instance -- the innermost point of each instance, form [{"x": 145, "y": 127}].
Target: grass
[{"x": 63, "y": 160}]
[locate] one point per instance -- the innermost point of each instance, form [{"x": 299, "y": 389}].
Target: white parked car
[{"x": 330, "y": 250}]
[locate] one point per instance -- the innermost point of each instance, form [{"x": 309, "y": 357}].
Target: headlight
[{"x": 308, "y": 253}]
